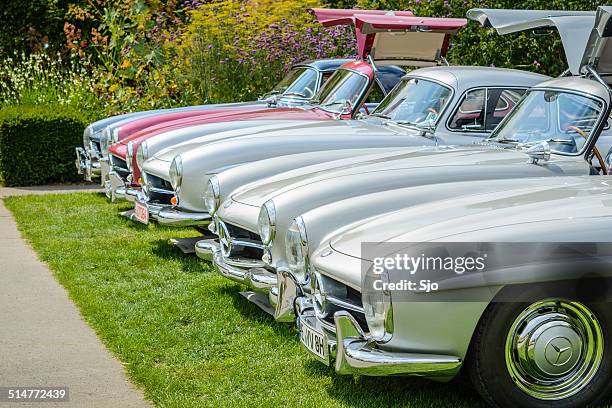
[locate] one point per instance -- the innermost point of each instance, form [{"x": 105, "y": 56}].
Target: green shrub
[
  {"x": 37, "y": 144},
  {"x": 32, "y": 25}
]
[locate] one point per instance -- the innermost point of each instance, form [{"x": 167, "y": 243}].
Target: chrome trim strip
[
  {"x": 344, "y": 304},
  {"x": 161, "y": 191}
]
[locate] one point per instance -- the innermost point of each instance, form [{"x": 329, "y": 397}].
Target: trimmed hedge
[{"x": 37, "y": 144}]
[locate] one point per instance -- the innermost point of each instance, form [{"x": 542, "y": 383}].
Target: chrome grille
[
  {"x": 96, "y": 148},
  {"x": 239, "y": 246},
  {"x": 158, "y": 190},
  {"x": 330, "y": 296},
  {"x": 119, "y": 166}
]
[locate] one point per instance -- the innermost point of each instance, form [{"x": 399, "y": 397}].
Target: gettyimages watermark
[{"x": 483, "y": 271}]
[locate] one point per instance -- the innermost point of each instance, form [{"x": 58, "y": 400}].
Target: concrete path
[{"x": 43, "y": 338}]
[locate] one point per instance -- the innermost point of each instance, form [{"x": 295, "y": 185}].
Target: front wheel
[{"x": 555, "y": 351}]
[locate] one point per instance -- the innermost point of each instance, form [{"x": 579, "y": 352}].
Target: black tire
[{"x": 487, "y": 368}]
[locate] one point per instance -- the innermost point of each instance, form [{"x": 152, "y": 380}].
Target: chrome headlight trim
[
  {"x": 377, "y": 307},
  {"x": 266, "y": 222},
  {"x": 212, "y": 195},
  {"x": 297, "y": 250},
  {"x": 176, "y": 173},
  {"x": 142, "y": 154},
  {"x": 129, "y": 155}
]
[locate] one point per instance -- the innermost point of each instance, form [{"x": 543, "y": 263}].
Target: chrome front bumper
[
  {"x": 256, "y": 278},
  {"x": 355, "y": 353},
  {"x": 87, "y": 165},
  {"x": 114, "y": 187},
  {"x": 172, "y": 217}
]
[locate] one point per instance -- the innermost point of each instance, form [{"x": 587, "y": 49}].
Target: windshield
[
  {"x": 343, "y": 89},
  {"x": 300, "y": 82},
  {"x": 563, "y": 119},
  {"x": 415, "y": 101}
]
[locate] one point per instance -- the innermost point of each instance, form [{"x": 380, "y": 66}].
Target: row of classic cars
[{"x": 296, "y": 202}]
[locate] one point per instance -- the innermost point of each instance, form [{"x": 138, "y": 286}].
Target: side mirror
[
  {"x": 539, "y": 151},
  {"x": 271, "y": 100},
  {"x": 347, "y": 108}
]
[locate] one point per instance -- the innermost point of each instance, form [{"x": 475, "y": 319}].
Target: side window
[
  {"x": 471, "y": 112},
  {"x": 376, "y": 94},
  {"x": 481, "y": 110},
  {"x": 504, "y": 101}
]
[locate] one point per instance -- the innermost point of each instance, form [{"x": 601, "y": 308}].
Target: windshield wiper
[
  {"x": 506, "y": 141},
  {"x": 380, "y": 115},
  {"x": 408, "y": 123},
  {"x": 427, "y": 131},
  {"x": 334, "y": 103}
]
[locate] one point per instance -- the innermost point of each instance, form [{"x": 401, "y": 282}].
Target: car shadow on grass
[
  {"x": 365, "y": 391},
  {"x": 397, "y": 390},
  {"x": 190, "y": 263},
  {"x": 253, "y": 313}
]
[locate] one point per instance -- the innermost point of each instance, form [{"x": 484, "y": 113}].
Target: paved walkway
[{"x": 43, "y": 338}]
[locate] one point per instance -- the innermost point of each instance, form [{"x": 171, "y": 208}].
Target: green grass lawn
[{"x": 183, "y": 332}]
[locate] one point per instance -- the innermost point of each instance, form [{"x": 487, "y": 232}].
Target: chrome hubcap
[{"x": 554, "y": 348}]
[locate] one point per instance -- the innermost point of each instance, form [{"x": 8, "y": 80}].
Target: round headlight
[
  {"x": 376, "y": 300},
  {"x": 142, "y": 154},
  {"x": 129, "y": 155},
  {"x": 296, "y": 250},
  {"x": 266, "y": 222},
  {"x": 212, "y": 195},
  {"x": 176, "y": 173}
]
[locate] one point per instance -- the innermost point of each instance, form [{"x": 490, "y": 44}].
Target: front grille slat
[
  {"x": 338, "y": 297},
  {"x": 119, "y": 166},
  {"x": 159, "y": 191},
  {"x": 240, "y": 245}
]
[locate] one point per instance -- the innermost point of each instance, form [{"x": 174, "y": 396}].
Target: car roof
[
  {"x": 465, "y": 77},
  {"x": 582, "y": 85},
  {"x": 330, "y": 64}
]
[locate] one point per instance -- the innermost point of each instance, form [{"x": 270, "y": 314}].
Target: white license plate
[
  {"x": 141, "y": 212},
  {"x": 314, "y": 340}
]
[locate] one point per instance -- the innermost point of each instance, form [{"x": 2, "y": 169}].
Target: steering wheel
[
  {"x": 432, "y": 110},
  {"x": 595, "y": 150},
  {"x": 308, "y": 91}
]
